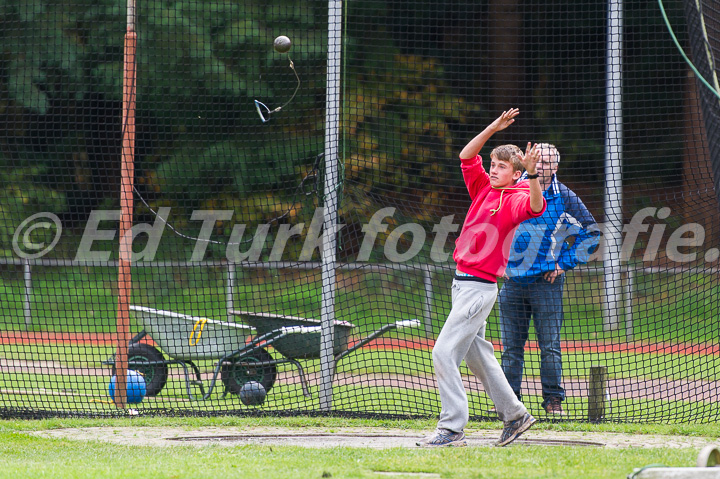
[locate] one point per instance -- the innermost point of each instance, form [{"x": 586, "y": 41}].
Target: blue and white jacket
[{"x": 566, "y": 234}]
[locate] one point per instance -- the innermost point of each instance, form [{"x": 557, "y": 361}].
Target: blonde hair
[
  {"x": 554, "y": 153},
  {"x": 510, "y": 154}
]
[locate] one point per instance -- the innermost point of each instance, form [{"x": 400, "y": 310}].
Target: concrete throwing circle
[
  {"x": 358, "y": 437},
  {"x": 376, "y": 441}
]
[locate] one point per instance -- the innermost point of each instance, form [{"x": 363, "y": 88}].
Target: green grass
[
  {"x": 674, "y": 308},
  {"x": 419, "y": 361},
  {"x": 73, "y": 299},
  {"x": 83, "y": 299},
  {"x": 69, "y": 459},
  {"x": 56, "y": 389}
]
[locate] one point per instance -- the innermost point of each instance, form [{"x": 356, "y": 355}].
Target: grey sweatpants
[{"x": 463, "y": 337}]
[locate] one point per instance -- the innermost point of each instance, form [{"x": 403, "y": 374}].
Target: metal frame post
[
  {"x": 612, "y": 297},
  {"x": 329, "y": 242}
]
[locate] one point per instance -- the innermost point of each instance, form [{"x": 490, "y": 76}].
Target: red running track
[{"x": 107, "y": 339}]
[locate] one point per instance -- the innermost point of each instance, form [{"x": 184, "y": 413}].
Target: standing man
[{"x": 543, "y": 249}]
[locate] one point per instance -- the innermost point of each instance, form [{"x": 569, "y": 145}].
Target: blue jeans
[{"x": 541, "y": 301}]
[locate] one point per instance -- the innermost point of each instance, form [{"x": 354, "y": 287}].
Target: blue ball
[
  {"x": 135, "y": 387},
  {"x": 252, "y": 393}
]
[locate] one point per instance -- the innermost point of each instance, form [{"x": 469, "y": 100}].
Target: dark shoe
[
  {"x": 444, "y": 438},
  {"x": 514, "y": 429},
  {"x": 554, "y": 406}
]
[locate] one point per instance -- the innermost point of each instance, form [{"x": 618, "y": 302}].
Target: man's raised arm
[{"x": 472, "y": 149}]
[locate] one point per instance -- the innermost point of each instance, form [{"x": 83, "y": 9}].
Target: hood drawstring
[{"x": 502, "y": 192}]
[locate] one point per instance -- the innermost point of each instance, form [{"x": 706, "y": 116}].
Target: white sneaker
[
  {"x": 513, "y": 429},
  {"x": 444, "y": 438}
]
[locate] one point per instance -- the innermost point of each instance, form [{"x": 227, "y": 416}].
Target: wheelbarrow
[
  {"x": 307, "y": 345},
  {"x": 187, "y": 339},
  {"x": 241, "y": 356}
]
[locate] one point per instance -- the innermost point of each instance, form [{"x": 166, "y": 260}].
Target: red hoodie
[{"x": 483, "y": 247}]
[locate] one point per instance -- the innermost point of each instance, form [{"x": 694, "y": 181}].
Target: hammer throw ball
[
  {"x": 252, "y": 393},
  {"x": 282, "y": 44},
  {"x": 135, "y": 385}
]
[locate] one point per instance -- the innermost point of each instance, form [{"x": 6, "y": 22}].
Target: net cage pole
[
  {"x": 613, "y": 168},
  {"x": 126, "y": 206},
  {"x": 329, "y": 244}
]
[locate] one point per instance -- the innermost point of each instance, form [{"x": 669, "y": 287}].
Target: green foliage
[
  {"x": 202, "y": 63},
  {"x": 21, "y": 196},
  {"x": 400, "y": 136},
  {"x": 23, "y": 86},
  {"x": 55, "y": 45}
]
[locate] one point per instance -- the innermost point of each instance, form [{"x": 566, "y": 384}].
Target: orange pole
[{"x": 126, "y": 219}]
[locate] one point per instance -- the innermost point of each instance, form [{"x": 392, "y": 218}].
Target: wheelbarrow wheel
[
  {"x": 155, "y": 374},
  {"x": 238, "y": 371}
]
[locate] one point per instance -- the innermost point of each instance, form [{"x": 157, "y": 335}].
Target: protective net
[{"x": 197, "y": 217}]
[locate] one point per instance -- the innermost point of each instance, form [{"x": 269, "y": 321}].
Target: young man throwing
[{"x": 498, "y": 206}]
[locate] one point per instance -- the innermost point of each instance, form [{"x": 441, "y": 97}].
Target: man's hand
[
  {"x": 529, "y": 161},
  {"x": 506, "y": 119},
  {"x": 551, "y": 276},
  {"x": 530, "y": 158},
  {"x": 473, "y": 148}
]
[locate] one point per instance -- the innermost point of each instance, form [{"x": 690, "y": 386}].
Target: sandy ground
[{"x": 376, "y": 438}]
